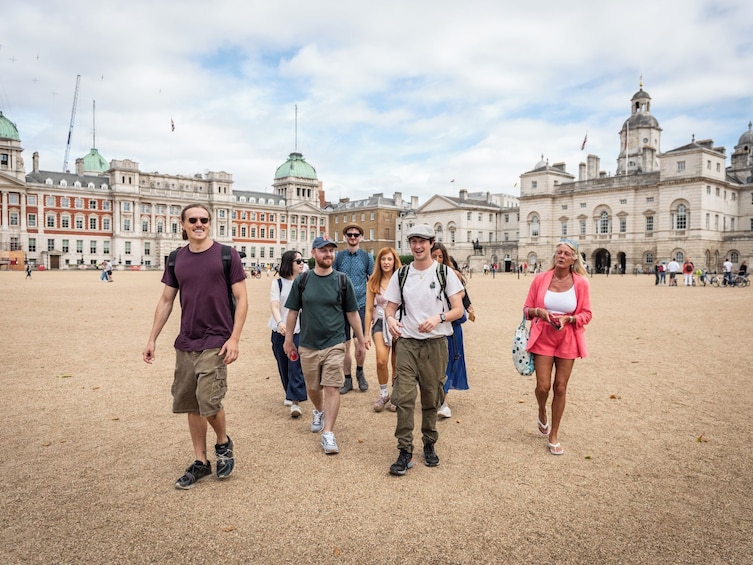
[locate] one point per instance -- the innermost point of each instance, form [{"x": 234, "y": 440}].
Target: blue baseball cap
[{"x": 322, "y": 241}]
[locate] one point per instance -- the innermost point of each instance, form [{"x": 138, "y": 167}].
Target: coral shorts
[{"x": 556, "y": 343}]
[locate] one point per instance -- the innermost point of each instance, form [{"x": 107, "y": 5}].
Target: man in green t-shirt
[{"x": 323, "y": 311}]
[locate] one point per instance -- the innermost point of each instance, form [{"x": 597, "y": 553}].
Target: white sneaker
[
  {"x": 317, "y": 420},
  {"x": 295, "y": 411},
  {"x": 287, "y": 402},
  {"x": 444, "y": 411},
  {"x": 329, "y": 445}
]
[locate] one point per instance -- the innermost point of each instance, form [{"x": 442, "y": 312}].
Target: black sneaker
[
  {"x": 431, "y": 459},
  {"x": 403, "y": 463},
  {"x": 363, "y": 386},
  {"x": 225, "y": 459},
  {"x": 348, "y": 386},
  {"x": 194, "y": 474}
]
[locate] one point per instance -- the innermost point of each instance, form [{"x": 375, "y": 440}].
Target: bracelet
[{"x": 279, "y": 322}]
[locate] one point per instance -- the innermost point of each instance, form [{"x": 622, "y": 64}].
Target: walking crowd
[{"x": 411, "y": 315}]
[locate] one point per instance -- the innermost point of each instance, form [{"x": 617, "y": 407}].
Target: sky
[{"x": 416, "y": 97}]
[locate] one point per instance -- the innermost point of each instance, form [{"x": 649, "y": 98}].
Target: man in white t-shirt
[
  {"x": 728, "y": 271},
  {"x": 421, "y": 350}
]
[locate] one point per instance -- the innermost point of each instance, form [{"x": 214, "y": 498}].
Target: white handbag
[{"x": 522, "y": 359}]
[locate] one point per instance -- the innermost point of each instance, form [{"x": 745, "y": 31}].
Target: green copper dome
[
  {"x": 94, "y": 162},
  {"x": 7, "y": 129},
  {"x": 296, "y": 166}
]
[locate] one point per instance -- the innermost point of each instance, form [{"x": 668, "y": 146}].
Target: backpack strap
[
  {"x": 302, "y": 278},
  {"x": 171, "y": 263},
  {"x": 402, "y": 276}
]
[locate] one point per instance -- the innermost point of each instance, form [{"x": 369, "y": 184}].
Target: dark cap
[{"x": 322, "y": 241}]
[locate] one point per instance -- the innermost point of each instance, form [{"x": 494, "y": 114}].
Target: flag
[
  {"x": 172, "y": 125},
  {"x": 583, "y": 145}
]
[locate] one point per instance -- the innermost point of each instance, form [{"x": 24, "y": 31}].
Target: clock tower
[{"x": 640, "y": 138}]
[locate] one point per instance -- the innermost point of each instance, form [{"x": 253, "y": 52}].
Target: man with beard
[{"x": 325, "y": 298}]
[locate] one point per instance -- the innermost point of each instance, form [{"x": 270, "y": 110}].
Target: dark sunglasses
[
  {"x": 299, "y": 261},
  {"x": 356, "y": 234},
  {"x": 194, "y": 220}
]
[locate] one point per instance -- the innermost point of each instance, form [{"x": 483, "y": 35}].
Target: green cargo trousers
[{"x": 420, "y": 362}]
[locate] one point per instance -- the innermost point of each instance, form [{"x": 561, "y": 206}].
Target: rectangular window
[
  {"x": 106, "y": 224},
  {"x": 79, "y": 246},
  {"x": 92, "y": 247},
  {"x": 372, "y": 216},
  {"x": 92, "y": 223},
  {"x": 31, "y": 200},
  {"x": 468, "y": 216},
  {"x": 293, "y": 233},
  {"x": 371, "y": 234},
  {"x": 222, "y": 229},
  {"x": 106, "y": 247},
  {"x": 263, "y": 218},
  {"x": 262, "y": 233},
  {"x": 49, "y": 202},
  {"x": 125, "y": 206},
  {"x": 51, "y": 220},
  {"x": 270, "y": 217},
  {"x": 32, "y": 244},
  {"x": 253, "y": 232},
  {"x": 79, "y": 223},
  {"x": 51, "y": 245},
  {"x": 583, "y": 204},
  {"x": 649, "y": 199},
  {"x": 261, "y": 252},
  {"x": 92, "y": 204},
  {"x": 623, "y": 200},
  {"x": 65, "y": 202},
  {"x": 244, "y": 231},
  {"x": 649, "y": 223},
  {"x": 623, "y": 225},
  {"x": 271, "y": 252},
  {"x": 271, "y": 233},
  {"x": 680, "y": 166},
  {"x": 563, "y": 229},
  {"x": 126, "y": 224},
  {"x": 283, "y": 234},
  {"x": 127, "y": 247},
  {"x": 144, "y": 226},
  {"x": 252, "y": 252},
  {"x": 147, "y": 248},
  {"x": 582, "y": 227},
  {"x": 78, "y": 203},
  {"x": 66, "y": 246},
  {"x": 31, "y": 220},
  {"x": 13, "y": 218},
  {"x": 534, "y": 184}
]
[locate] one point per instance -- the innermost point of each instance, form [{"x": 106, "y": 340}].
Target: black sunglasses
[
  {"x": 356, "y": 234},
  {"x": 299, "y": 261},
  {"x": 194, "y": 220}
]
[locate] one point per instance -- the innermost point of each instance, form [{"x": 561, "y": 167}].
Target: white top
[
  {"x": 561, "y": 302},
  {"x": 423, "y": 299},
  {"x": 275, "y": 294}
]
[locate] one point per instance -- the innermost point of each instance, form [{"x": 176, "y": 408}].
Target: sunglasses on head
[
  {"x": 194, "y": 220},
  {"x": 353, "y": 234},
  {"x": 299, "y": 261}
]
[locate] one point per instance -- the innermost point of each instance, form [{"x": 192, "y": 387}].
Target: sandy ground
[{"x": 657, "y": 466}]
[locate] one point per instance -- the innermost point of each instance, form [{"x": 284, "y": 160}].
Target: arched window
[
  {"x": 534, "y": 227},
  {"x": 604, "y": 222},
  {"x": 681, "y": 217},
  {"x": 439, "y": 232}
]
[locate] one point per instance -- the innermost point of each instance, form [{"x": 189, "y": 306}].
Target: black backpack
[{"x": 226, "y": 262}]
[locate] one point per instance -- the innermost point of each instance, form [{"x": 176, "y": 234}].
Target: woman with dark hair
[
  {"x": 559, "y": 303},
  {"x": 291, "y": 374},
  {"x": 456, "y": 374},
  {"x": 386, "y": 264}
]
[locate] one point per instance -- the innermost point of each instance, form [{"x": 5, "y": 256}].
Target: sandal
[
  {"x": 543, "y": 428},
  {"x": 555, "y": 448}
]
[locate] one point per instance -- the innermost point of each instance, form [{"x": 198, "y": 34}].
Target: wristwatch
[{"x": 442, "y": 317}]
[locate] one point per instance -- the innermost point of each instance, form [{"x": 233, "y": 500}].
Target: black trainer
[
  {"x": 194, "y": 474},
  {"x": 431, "y": 459},
  {"x": 348, "y": 386},
  {"x": 225, "y": 459},
  {"x": 363, "y": 386},
  {"x": 403, "y": 463}
]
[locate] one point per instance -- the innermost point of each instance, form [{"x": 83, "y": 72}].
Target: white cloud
[{"x": 392, "y": 96}]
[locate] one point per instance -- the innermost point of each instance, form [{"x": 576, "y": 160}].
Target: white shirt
[
  {"x": 275, "y": 294},
  {"x": 423, "y": 299}
]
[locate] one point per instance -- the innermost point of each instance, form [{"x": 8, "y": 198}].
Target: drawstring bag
[{"x": 522, "y": 359}]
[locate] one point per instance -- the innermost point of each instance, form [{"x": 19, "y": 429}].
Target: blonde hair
[
  {"x": 577, "y": 266},
  {"x": 375, "y": 280}
]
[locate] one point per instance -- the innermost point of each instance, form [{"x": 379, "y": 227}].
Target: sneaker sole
[
  {"x": 401, "y": 473},
  {"x": 189, "y": 487},
  {"x": 295, "y": 414}
]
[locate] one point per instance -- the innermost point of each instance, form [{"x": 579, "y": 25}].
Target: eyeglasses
[
  {"x": 194, "y": 220},
  {"x": 355, "y": 234},
  {"x": 299, "y": 261}
]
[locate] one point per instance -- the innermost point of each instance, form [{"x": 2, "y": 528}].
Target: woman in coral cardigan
[{"x": 559, "y": 303}]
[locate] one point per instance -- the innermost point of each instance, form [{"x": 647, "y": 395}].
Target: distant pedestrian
[{"x": 28, "y": 270}]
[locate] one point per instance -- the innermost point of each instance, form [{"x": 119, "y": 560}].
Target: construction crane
[{"x": 70, "y": 129}]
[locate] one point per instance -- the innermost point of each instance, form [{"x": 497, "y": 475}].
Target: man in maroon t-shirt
[{"x": 208, "y": 338}]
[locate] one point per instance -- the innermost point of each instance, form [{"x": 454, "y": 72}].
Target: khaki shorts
[
  {"x": 200, "y": 382},
  {"x": 323, "y": 367}
]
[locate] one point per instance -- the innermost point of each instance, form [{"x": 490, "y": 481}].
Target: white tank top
[{"x": 561, "y": 302}]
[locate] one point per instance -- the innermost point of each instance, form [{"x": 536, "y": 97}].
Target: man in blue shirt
[{"x": 358, "y": 265}]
